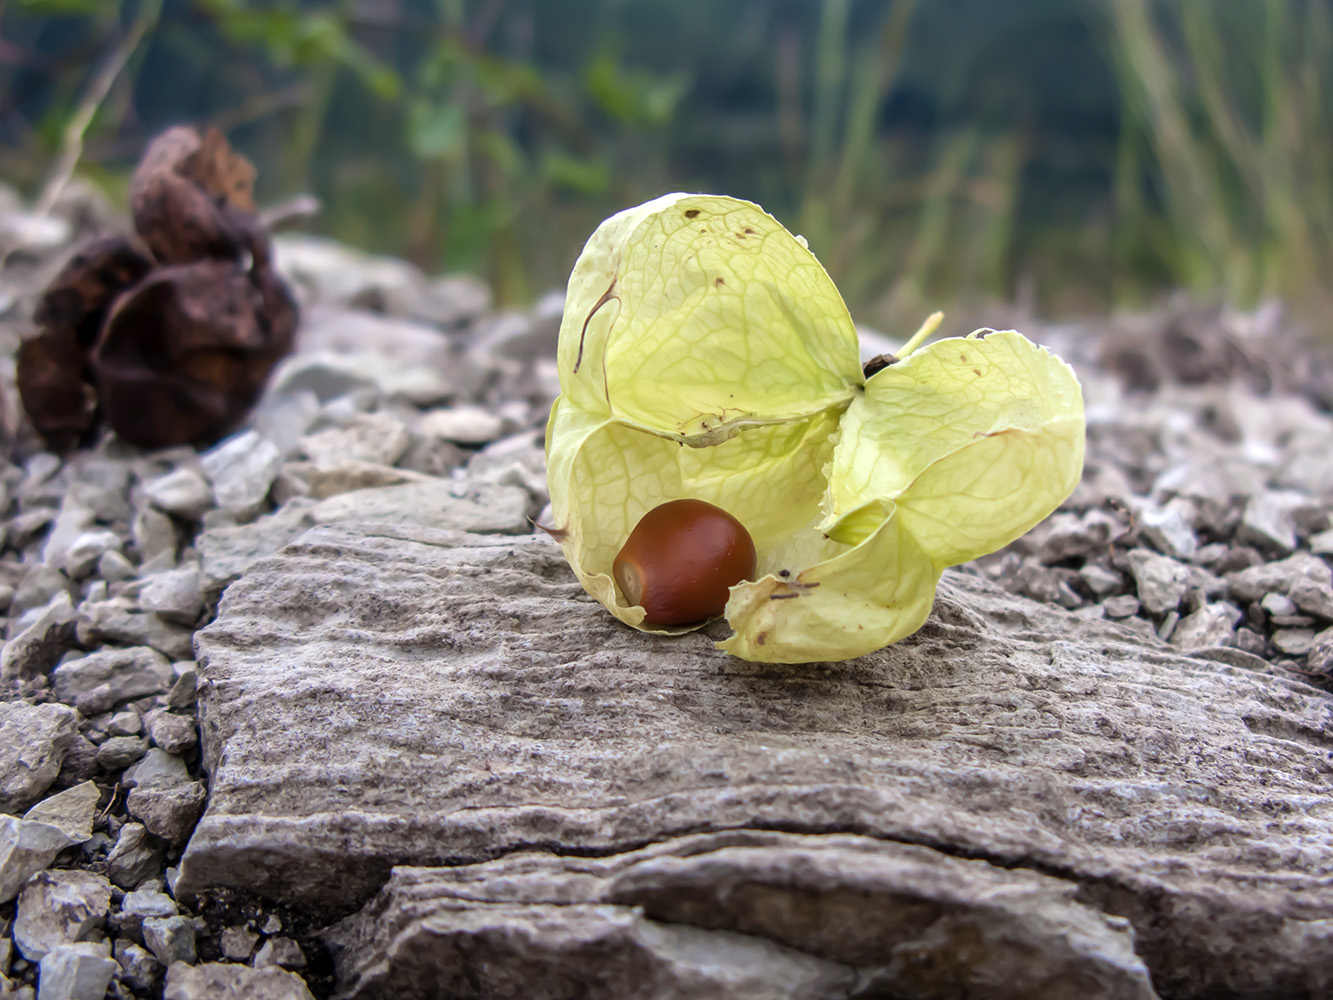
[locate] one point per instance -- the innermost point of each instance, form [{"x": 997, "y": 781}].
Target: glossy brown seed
[{"x": 680, "y": 560}]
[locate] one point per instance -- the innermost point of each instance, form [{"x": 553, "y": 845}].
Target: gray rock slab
[
  {"x": 176, "y": 595},
  {"x": 221, "y": 981},
  {"x": 59, "y": 907},
  {"x": 36, "y": 649},
  {"x": 170, "y": 939},
  {"x": 33, "y": 741},
  {"x": 454, "y": 504},
  {"x": 183, "y": 492},
  {"x": 380, "y": 696},
  {"x": 738, "y": 913},
  {"x": 135, "y": 857},
  {"x": 242, "y": 468},
  {"x": 71, "y": 811},
  {"x": 26, "y": 847},
  {"x": 80, "y": 971},
  {"x": 138, "y": 968},
  {"x": 115, "y": 621},
  {"x": 110, "y": 677},
  {"x": 163, "y": 797}
]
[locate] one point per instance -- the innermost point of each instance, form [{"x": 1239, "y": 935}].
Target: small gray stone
[
  {"x": 71, "y": 811},
  {"x": 1313, "y": 592},
  {"x": 1122, "y": 606},
  {"x": 35, "y": 650},
  {"x": 141, "y": 904},
  {"x": 284, "y": 419},
  {"x": 1100, "y": 580},
  {"x": 1162, "y": 581},
  {"x": 228, "y": 551},
  {"x": 58, "y": 908},
  {"x": 114, "y": 621},
  {"x": 114, "y": 567},
  {"x": 176, "y": 595},
  {"x": 26, "y": 848},
  {"x": 80, "y": 971},
  {"x": 134, "y": 858},
  {"x": 33, "y": 741},
  {"x": 282, "y": 952},
  {"x": 163, "y": 797},
  {"x": 1267, "y": 522},
  {"x": 272, "y": 924},
  {"x": 1168, "y": 626},
  {"x": 1319, "y": 660},
  {"x": 80, "y": 763},
  {"x": 170, "y": 939},
  {"x": 155, "y": 537},
  {"x": 237, "y": 943},
  {"x": 242, "y": 469},
  {"x": 453, "y": 300},
  {"x": 462, "y": 425},
  {"x": 378, "y": 438},
  {"x": 183, "y": 492},
  {"x": 1294, "y": 641},
  {"x": 87, "y": 550},
  {"x": 220, "y": 981},
  {"x": 457, "y": 505},
  {"x": 1168, "y": 529},
  {"x": 138, "y": 968},
  {"x": 520, "y": 460},
  {"x": 73, "y": 520},
  {"x": 125, "y": 723},
  {"x": 1322, "y": 543},
  {"x": 1211, "y": 625},
  {"x": 1301, "y": 576},
  {"x": 173, "y": 733},
  {"x": 38, "y": 587},
  {"x": 432, "y": 456},
  {"x": 183, "y": 693},
  {"x": 1278, "y": 604},
  {"x": 321, "y": 482},
  {"x": 110, "y": 677},
  {"x": 120, "y": 752}
]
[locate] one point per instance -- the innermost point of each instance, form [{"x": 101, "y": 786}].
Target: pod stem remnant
[{"x": 931, "y": 324}]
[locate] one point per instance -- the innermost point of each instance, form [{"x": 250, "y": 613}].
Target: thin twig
[{"x": 98, "y": 87}]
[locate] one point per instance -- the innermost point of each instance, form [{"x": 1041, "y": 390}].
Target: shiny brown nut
[{"x": 680, "y": 560}]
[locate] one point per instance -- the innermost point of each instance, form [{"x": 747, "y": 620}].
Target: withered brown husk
[
  {"x": 191, "y": 197},
  {"x": 186, "y": 353},
  {"x": 53, "y": 374},
  {"x": 169, "y": 340}
]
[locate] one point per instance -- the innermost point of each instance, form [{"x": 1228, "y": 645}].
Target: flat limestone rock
[
  {"x": 389, "y": 696},
  {"x": 780, "y": 914}
]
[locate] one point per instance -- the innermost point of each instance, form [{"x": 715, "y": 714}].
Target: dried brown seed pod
[
  {"x": 186, "y": 353},
  {"x": 53, "y": 373},
  {"x": 191, "y": 197}
]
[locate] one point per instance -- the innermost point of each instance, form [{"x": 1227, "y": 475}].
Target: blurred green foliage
[{"x": 1068, "y": 152}]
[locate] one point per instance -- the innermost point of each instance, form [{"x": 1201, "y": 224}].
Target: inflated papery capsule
[{"x": 681, "y": 559}]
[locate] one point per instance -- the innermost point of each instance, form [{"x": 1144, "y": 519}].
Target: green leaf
[{"x": 705, "y": 353}]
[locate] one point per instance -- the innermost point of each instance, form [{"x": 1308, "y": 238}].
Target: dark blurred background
[{"x": 1069, "y": 155}]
